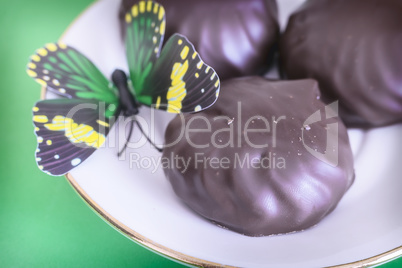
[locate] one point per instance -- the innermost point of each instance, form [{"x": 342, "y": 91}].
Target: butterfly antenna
[
  {"x": 148, "y": 139},
  {"x": 128, "y": 139}
]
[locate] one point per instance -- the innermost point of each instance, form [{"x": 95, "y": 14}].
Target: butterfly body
[
  {"x": 127, "y": 102},
  {"x": 173, "y": 79}
]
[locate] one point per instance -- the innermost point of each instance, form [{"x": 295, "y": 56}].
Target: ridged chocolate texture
[
  {"x": 235, "y": 37},
  {"x": 296, "y": 192},
  {"x": 353, "y": 48}
]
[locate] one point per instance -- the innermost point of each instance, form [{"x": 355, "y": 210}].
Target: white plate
[{"x": 367, "y": 224}]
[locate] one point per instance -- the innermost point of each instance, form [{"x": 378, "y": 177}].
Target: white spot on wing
[{"x": 75, "y": 162}]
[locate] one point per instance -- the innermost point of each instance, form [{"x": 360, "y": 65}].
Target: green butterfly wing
[
  {"x": 145, "y": 31},
  {"x": 181, "y": 82},
  {"x": 70, "y": 129},
  {"x": 66, "y": 72},
  {"x": 174, "y": 79}
]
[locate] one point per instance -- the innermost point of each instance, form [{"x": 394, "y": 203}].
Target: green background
[{"x": 43, "y": 221}]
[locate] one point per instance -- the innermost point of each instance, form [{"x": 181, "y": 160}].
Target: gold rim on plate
[{"x": 178, "y": 256}]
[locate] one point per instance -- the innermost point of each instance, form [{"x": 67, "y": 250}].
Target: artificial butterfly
[{"x": 70, "y": 129}]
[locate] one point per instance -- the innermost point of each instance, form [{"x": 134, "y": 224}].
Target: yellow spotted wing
[
  {"x": 68, "y": 73},
  {"x": 173, "y": 78},
  {"x": 68, "y": 131}
]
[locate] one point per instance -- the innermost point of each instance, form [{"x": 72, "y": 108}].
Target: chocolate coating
[
  {"x": 294, "y": 192},
  {"x": 353, "y": 48},
  {"x": 235, "y": 37}
]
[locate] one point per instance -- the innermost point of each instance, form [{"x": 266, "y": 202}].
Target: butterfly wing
[
  {"x": 181, "y": 82},
  {"x": 174, "y": 79},
  {"x": 70, "y": 129},
  {"x": 68, "y": 132},
  {"x": 68, "y": 73},
  {"x": 145, "y": 24}
]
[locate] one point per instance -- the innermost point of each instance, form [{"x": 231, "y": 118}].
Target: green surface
[{"x": 43, "y": 222}]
